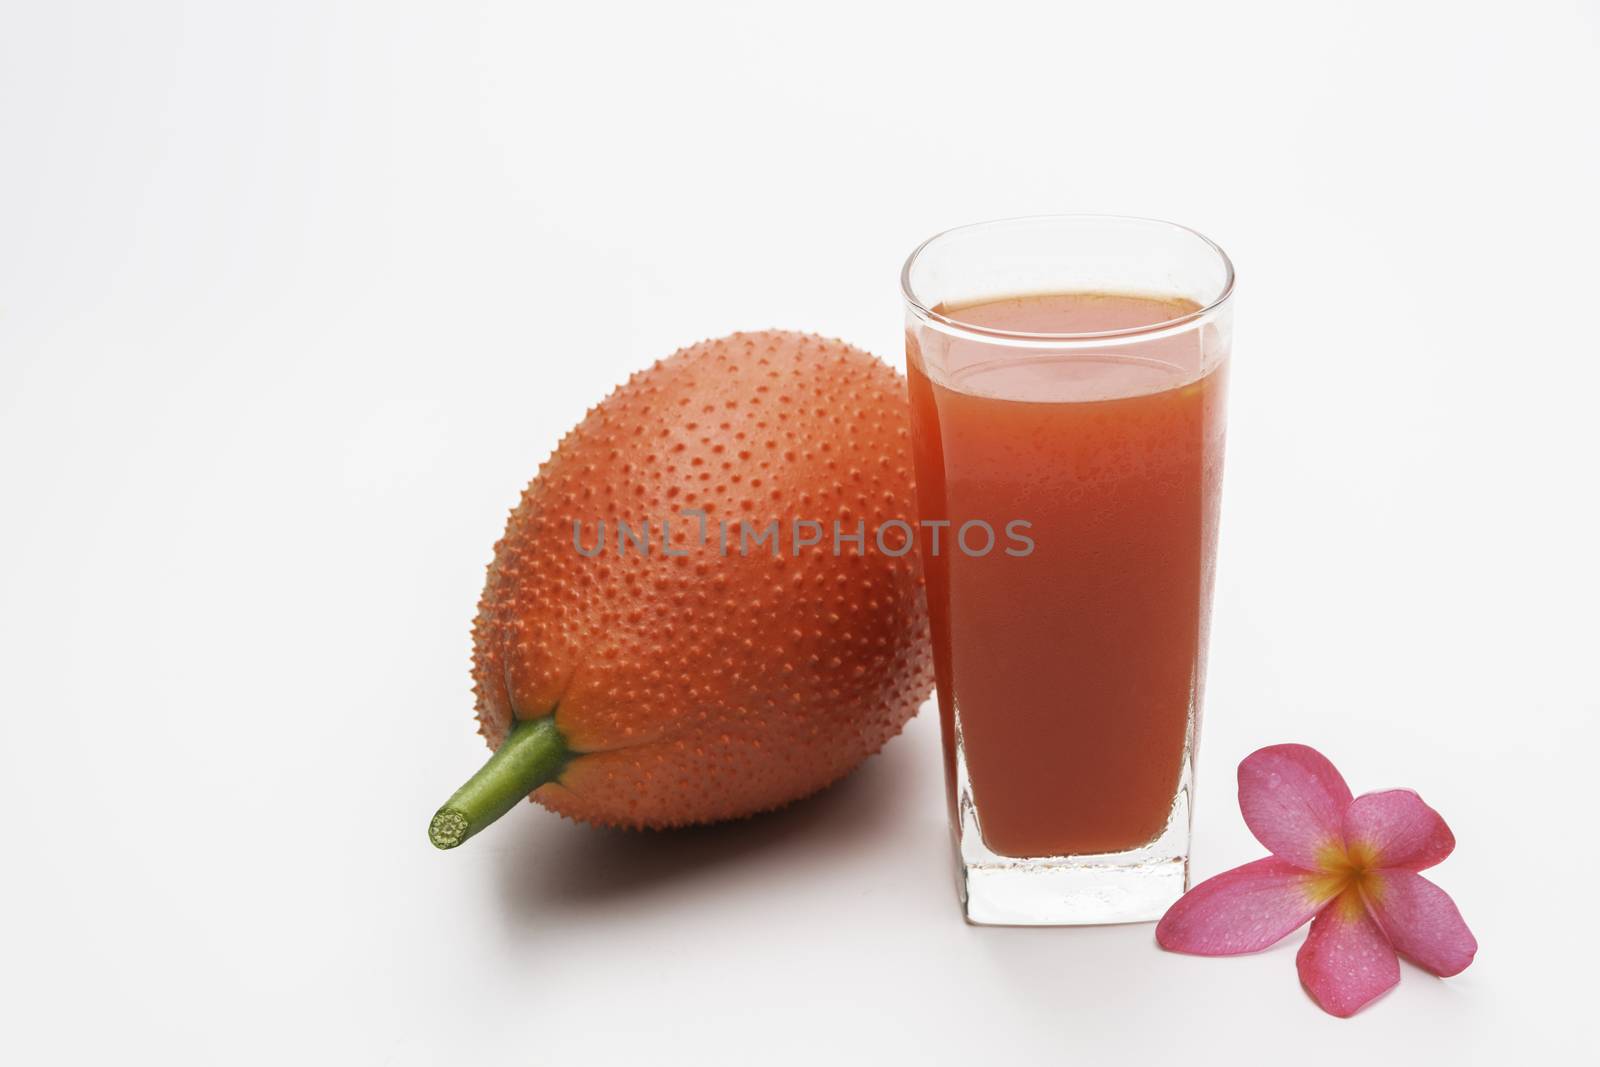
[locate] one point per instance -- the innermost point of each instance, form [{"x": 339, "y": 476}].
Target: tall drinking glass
[{"x": 1067, "y": 378}]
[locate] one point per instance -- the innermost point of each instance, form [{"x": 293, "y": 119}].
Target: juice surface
[{"x": 1073, "y": 670}]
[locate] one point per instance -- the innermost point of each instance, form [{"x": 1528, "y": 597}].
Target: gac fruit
[{"x": 643, "y": 656}]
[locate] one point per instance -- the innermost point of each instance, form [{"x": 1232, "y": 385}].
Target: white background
[{"x": 294, "y": 298}]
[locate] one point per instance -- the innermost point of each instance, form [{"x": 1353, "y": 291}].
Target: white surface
[{"x": 295, "y": 297}]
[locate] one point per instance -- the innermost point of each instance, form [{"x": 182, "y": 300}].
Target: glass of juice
[{"x": 1067, "y": 377}]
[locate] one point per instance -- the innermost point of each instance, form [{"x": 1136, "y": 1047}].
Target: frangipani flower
[{"x": 1348, "y": 864}]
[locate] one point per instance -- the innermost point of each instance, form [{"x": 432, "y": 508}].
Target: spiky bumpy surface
[{"x": 707, "y": 687}]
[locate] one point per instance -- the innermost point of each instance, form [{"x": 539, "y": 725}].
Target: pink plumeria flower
[{"x": 1348, "y": 864}]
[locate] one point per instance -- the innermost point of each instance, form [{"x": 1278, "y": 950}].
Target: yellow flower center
[{"x": 1347, "y": 872}]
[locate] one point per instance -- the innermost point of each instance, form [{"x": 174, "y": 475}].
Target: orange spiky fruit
[{"x": 712, "y": 673}]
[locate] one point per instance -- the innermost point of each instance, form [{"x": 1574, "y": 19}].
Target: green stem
[{"x": 531, "y": 755}]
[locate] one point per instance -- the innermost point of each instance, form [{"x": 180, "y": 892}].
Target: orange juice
[{"x": 1071, "y": 671}]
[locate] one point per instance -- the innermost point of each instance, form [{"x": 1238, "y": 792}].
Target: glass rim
[{"x": 1019, "y": 337}]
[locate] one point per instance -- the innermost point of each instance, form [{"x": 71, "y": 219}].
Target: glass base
[
  {"x": 1069, "y": 891},
  {"x": 1138, "y": 885}
]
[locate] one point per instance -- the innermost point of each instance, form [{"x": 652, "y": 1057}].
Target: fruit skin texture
[{"x": 706, "y": 686}]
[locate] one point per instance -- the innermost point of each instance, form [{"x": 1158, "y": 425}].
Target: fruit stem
[{"x": 533, "y": 753}]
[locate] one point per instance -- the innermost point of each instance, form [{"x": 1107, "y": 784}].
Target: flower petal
[
  {"x": 1242, "y": 910},
  {"x": 1421, "y": 921},
  {"x": 1396, "y": 829},
  {"x": 1346, "y": 963},
  {"x": 1294, "y": 801}
]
